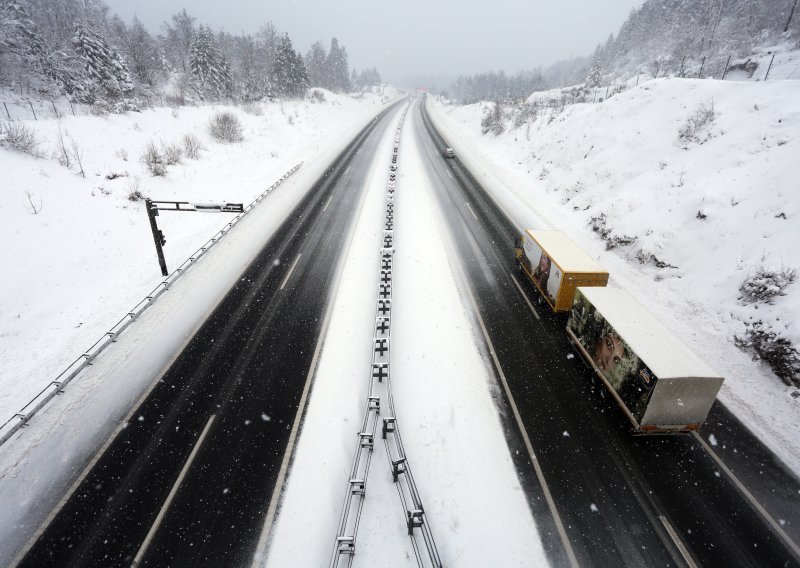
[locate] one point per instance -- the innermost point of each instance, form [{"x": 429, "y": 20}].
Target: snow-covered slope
[
  {"x": 76, "y": 267},
  {"x": 692, "y": 215}
]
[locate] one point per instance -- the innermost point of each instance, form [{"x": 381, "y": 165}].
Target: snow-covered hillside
[
  {"x": 79, "y": 253},
  {"x": 684, "y": 189}
]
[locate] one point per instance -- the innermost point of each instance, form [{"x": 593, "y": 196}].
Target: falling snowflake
[
  {"x": 594, "y": 508},
  {"x": 265, "y": 418},
  {"x": 570, "y": 355},
  {"x": 712, "y": 440},
  {"x": 565, "y": 434}
]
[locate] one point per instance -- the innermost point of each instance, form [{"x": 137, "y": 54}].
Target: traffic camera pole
[
  {"x": 158, "y": 236},
  {"x": 153, "y": 207}
]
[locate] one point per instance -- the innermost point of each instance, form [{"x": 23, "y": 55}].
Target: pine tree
[
  {"x": 107, "y": 74},
  {"x": 211, "y": 73},
  {"x": 281, "y": 76},
  {"x": 140, "y": 50},
  {"x": 595, "y": 77},
  {"x": 338, "y": 74},
  {"x": 315, "y": 63}
]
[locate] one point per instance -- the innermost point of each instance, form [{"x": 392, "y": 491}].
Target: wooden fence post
[
  {"x": 33, "y": 111},
  {"x": 725, "y": 71},
  {"x": 770, "y": 66}
]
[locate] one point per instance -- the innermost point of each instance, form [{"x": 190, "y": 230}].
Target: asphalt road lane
[
  {"x": 246, "y": 368},
  {"x": 624, "y": 500}
]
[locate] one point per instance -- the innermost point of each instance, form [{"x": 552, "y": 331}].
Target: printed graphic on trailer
[
  {"x": 544, "y": 271},
  {"x": 622, "y": 368}
]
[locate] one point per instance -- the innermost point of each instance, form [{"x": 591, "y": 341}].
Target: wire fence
[
  {"x": 41, "y": 109},
  {"x": 56, "y": 386}
]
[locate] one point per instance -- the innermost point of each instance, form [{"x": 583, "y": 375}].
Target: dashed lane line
[
  {"x": 153, "y": 529},
  {"x": 289, "y": 274},
  {"x": 524, "y": 296}
]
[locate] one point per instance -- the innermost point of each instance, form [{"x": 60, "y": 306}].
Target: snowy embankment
[
  {"x": 75, "y": 267},
  {"x": 692, "y": 186},
  {"x": 452, "y": 433},
  {"x": 39, "y": 464}
]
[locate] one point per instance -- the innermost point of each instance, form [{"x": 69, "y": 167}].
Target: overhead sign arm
[{"x": 153, "y": 207}]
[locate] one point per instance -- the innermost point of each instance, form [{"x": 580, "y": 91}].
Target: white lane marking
[
  {"x": 121, "y": 426},
  {"x": 327, "y": 203},
  {"x": 524, "y": 296},
  {"x": 289, "y": 274},
  {"x": 749, "y": 496},
  {"x": 470, "y": 210},
  {"x": 347, "y": 171},
  {"x": 153, "y": 529},
  {"x": 551, "y": 504},
  {"x": 450, "y": 174},
  {"x": 678, "y": 542}
]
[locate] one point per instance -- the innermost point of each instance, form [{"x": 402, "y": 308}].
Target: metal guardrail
[
  {"x": 56, "y": 386},
  {"x": 379, "y": 399}
]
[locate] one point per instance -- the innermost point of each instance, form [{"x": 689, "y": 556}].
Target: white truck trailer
[{"x": 660, "y": 384}]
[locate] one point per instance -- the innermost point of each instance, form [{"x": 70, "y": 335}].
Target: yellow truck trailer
[{"x": 557, "y": 266}]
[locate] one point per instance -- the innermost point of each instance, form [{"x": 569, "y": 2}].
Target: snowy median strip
[
  {"x": 21, "y": 418},
  {"x": 380, "y": 394}
]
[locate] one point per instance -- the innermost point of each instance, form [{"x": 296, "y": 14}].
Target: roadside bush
[
  {"x": 253, "y": 107},
  {"x": 172, "y": 153},
  {"x": 493, "y": 121},
  {"x": 225, "y": 127},
  {"x": 20, "y": 137},
  {"x": 153, "y": 160},
  {"x": 776, "y": 351},
  {"x": 316, "y": 96},
  {"x": 192, "y": 146},
  {"x": 765, "y": 283},
  {"x": 134, "y": 190},
  {"x": 599, "y": 224},
  {"x": 695, "y": 129}
]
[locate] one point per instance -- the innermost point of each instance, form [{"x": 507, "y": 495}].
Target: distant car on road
[{"x": 448, "y": 153}]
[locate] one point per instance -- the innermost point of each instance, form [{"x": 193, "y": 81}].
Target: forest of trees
[
  {"x": 663, "y": 37},
  {"x": 79, "y": 49},
  {"x": 692, "y": 37},
  {"x": 497, "y": 86}
]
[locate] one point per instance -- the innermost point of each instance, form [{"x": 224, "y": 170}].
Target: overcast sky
[{"x": 413, "y": 38}]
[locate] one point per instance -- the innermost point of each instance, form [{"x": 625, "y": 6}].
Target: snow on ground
[
  {"x": 450, "y": 425},
  {"x": 75, "y": 268},
  {"x": 39, "y": 464},
  {"x": 716, "y": 205}
]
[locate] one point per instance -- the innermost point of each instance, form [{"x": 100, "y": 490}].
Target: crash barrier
[
  {"x": 380, "y": 411},
  {"x": 21, "y": 418}
]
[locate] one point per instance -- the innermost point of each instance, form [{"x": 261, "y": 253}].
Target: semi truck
[
  {"x": 658, "y": 382},
  {"x": 557, "y": 266}
]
